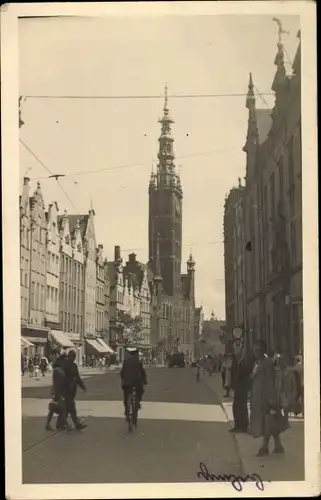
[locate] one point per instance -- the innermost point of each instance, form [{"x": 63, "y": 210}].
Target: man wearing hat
[{"x": 133, "y": 375}]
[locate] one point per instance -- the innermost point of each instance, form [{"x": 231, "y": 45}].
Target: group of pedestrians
[
  {"x": 34, "y": 365},
  {"x": 65, "y": 381},
  {"x": 274, "y": 389}
]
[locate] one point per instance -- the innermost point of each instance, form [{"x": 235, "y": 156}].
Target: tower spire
[
  {"x": 252, "y": 130},
  {"x": 166, "y": 167},
  {"x": 279, "y": 58}
]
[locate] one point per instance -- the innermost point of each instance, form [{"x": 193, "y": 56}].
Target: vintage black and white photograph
[{"x": 160, "y": 227}]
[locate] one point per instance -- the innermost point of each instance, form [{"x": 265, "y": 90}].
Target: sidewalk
[
  {"x": 46, "y": 381},
  {"x": 287, "y": 467}
]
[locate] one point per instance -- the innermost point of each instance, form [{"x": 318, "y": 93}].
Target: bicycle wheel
[
  {"x": 130, "y": 413},
  {"x": 135, "y": 410}
]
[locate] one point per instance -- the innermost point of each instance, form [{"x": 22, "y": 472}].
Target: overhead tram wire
[
  {"x": 138, "y": 164},
  {"x": 50, "y": 172},
  {"x": 173, "y": 96}
]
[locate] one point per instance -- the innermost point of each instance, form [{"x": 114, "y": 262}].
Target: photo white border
[{"x": 15, "y": 490}]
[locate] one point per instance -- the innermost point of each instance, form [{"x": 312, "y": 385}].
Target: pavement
[
  {"x": 182, "y": 424},
  {"x": 46, "y": 380},
  {"x": 287, "y": 467}
]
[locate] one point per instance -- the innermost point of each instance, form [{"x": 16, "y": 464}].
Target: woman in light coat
[{"x": 266, "y": 416}]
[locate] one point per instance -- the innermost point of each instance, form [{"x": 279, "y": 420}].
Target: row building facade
[{"x": 64, "y": 280}]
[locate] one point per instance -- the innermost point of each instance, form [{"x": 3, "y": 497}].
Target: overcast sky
[{"x": 135, "y": 57}]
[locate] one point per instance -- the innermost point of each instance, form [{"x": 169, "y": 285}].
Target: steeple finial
[
  {"x": 250, "y": 97},
  {"x": 165, "y": 109}
]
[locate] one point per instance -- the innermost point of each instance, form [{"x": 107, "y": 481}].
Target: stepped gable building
[{"x": 173, "y": 292}]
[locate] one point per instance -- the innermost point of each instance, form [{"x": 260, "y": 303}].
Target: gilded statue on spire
[{"x": 281, "y": 31}]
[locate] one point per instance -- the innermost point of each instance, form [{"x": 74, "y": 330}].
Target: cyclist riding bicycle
[{"x": 133, "y": 375}]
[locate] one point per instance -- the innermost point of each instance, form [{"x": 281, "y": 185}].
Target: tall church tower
[{"x": 165, "y": 211}]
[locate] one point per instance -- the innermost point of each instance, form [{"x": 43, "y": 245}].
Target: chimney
[
  {"x": 132, "y": 257},
  {"x": 26, "y": 181},
  {"x": 117, "y": 253}
]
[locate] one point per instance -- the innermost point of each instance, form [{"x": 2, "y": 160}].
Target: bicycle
[{"x": 132, "y": 409}]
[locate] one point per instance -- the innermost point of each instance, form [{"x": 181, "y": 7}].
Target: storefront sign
[{"x": 74, "y": 337}]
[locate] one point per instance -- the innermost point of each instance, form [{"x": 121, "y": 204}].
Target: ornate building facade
[
  {"x": 89, "y": 246},
  {"x": 34, "y": 242},
  {"x": 25, "y": 256},
  {"x": 100, "y": 291},
  {"x": 53, "y": 268},
  {"x": 272, "y": 214},
  {"x": 174, "y": 293},
  {"x": 234, "y": 250}
]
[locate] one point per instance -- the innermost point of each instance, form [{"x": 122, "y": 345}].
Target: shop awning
[
  {"x": 107, "y": 349},
  {"x": 61, "y": 339},
  {"x": 95, "y": 346},
  {"x": 25, "y": 343},
  {"x": 35, "y": 334}
]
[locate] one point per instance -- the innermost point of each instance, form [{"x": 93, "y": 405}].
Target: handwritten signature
[{"x": 236, "y": 481}]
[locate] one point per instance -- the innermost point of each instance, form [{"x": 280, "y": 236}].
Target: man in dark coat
[
  {"x": 71, "y": 382},
  {"x": 242, "y": 367},
  {"x": 57, "y": 405},
  {"x": 133, "y": 375}
]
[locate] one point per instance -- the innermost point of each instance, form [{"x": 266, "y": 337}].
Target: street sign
[
  {"x": 237, "y": 344},
  {"x": 237, "y": 332}
]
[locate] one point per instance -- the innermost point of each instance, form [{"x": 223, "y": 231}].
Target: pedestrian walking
[
  {"x": 31, "y": 367},
  {"x": 23, "y": 365},
  {"x": 57, "y": 405},
  {"x": 43, "y": 365},
  {"x": 226, "y": 374},
  {"x": 298, "y": 373},
  {"x": 242, "y": 367},
  {"x": 267, "y": 416},
  {"x": 71, "y": 383}
]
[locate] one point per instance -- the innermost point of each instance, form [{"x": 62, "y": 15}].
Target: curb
[{"x": 229, "y": 422}]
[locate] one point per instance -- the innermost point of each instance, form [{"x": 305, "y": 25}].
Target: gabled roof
[
  {"x": 73, "y": 219},
  {"x": 83, "y": 220},
  {"x": 264, "y": 123}
]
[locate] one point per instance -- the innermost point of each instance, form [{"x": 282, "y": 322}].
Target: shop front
[
  {"x": 93, "y": 351},
  {"x": 78, "y": 343},
  {"x": 60, "y": 342},
  {"x": 27, "y": 348},
  {"x": 38, "y": 337}
]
